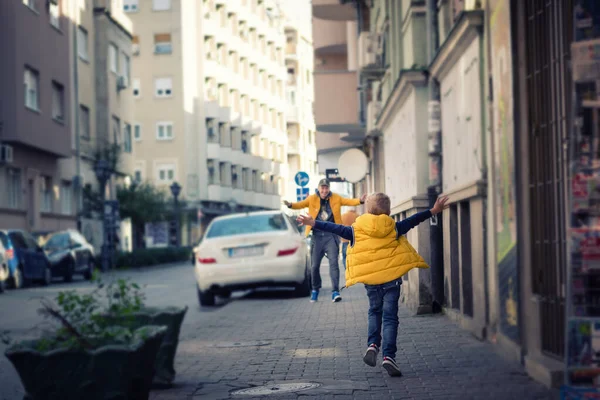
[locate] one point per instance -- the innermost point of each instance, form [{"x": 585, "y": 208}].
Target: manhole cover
[
  {"x": 275, "y": 389},
  {"x": 242, "y": 344}
]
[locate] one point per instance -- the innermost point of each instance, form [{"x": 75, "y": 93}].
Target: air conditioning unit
[
  {"x": 122, "y": 83},
  {"x": 6, "y": 154}
]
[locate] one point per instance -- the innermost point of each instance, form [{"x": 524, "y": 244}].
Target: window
[
  {"x": 127, "y": 145},
  {"x": 66, "y": 198},
  {"x": 58, "y": 102},
  {"x": 82, "y": 43},
  {"x": 46, "y": 194},
  {"x": 164, "y": 130},
  {"x": 162, "y": 43},
  {"x": 165, "y": 173},
  {"x": 125, "y": 66},
  {"x": 135, "y": 45},
  {"x": 54, "y": 14},
  {"x": 30, "y": 4},
  {"x": 247, "y": 224},
  {"x": 84, "y": 122},
  {"x": 116, "y": 127},
  {"x": 212, "y": 178},
  {"x": 130, "y": 5},
  {"x": 137, "y": 132},
  {"x": 163, "y": 87},
  {"x": 136, "y": 87},
  {"x": 137, "y": 175},
  {"x": 211, "y": 130},
  {"x": 161, "y": 5},
  {"x": 113, "y": 58},
  {"x": 14, "y": 191},
  {"x": 31, "y": 81}
]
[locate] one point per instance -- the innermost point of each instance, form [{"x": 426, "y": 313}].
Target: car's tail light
[
  {"x": 287, "y": 252},
  {"x": 206, "y": 260},
  {"x": 10, "y": 254}
]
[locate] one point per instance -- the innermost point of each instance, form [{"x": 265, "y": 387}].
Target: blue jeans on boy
[
  {"x": 383, "y": 310},
  {"x": 344, "y": 250}
]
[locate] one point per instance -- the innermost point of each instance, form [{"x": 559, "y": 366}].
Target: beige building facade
[{"x": 209, "y": 83}]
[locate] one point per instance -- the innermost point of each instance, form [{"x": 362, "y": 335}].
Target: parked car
[
  {"x": 69, "y": 254},
  {"x": 252, "y": 250},
  {"x": 4, "y": 273},
  {"x": 26, "y": 259}
]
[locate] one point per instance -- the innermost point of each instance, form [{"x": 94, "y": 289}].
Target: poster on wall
[
  {"x": 582, "y": 342},
  {"x": 504, "y": 160}
]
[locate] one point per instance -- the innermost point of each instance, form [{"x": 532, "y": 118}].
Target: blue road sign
[
  {"x": 301, "y": 179},
  {"x": 301, "y": 193}
]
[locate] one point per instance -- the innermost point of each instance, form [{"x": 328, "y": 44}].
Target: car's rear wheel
[
  {"x": 69, "y": 271},
  {"x": 303, "y": 289},
  {"x": 89, "y": 272},
  {"x": 206, "y": 298},
  {"x": 17, "y": 279},
  {"x": 47, "y": 276}
]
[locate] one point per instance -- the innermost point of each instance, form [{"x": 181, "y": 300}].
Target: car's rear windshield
[{"x": 247, "y": 224}]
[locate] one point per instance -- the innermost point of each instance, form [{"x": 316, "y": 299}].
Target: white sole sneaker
[
  {"x": 391, "y": 367},
  {"x": 370, "y": 357}
]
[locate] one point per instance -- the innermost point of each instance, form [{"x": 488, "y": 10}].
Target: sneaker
[
  {"x": 370, "y": 357},
  {"x": 335, "y": 296},
  {"x": 391, "y": 367},
  {"x": 314, "y": 296}
]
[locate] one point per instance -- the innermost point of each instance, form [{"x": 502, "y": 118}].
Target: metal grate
[{"x": 548, "y": 35}]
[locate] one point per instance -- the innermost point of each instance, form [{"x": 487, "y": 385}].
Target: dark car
[
  {"x": 69, "y": 254},
  {"x": 26, "y": 259}
]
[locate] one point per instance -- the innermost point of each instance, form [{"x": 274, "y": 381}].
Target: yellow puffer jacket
[
  {"x": 313, "y": 202},
  {"x": 377, "y": 257}
]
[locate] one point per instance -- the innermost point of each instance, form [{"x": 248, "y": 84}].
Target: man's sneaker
[
  {"x": 314, "y": 296},
  {"x": 391, "y": 367},
  {"x": 335, "y": 296},
  {"x": 370, "y": 357}
]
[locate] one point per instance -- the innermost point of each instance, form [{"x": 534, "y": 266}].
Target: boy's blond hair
[{"x": 378, "y": 204}]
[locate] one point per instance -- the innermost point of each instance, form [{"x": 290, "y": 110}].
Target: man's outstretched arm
[{"x": 340, "y": 230}]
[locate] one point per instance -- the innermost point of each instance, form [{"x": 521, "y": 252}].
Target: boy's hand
[
  {"x": 306, "y": 220},
  {"x": 440, "y": 205},
  {"x": 287, "y": 203},
  {"x": 363, "y": 198}
]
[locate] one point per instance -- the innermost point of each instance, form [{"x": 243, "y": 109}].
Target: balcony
[
  {"x": 336, "y": 102},
  {"x": 292, "y": 114},
  {"x": 333, "y": 10},
  {"x": 291, "y": 50},
  {"x": 293, "y": 147},
  {"x": 331, "y": 37},
  {"x": 370, "y": 55}
]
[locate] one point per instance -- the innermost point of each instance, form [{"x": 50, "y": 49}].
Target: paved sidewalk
[{"x": 297, "y": 341}]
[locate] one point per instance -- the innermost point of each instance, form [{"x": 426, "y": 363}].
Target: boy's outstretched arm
[
  {"x": 340, "y": 230},
  {"x": 407, "y": 224}
]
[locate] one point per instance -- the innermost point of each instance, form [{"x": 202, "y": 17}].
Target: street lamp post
[
  {"x": 176, "y": 190},
  {"x": 102, "y": 171}
]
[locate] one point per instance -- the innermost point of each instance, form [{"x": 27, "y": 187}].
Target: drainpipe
[
  {"x": 78, "y": 181},
  {"x": 435, "y": 164},
  {"x": 361, "y": 83}
]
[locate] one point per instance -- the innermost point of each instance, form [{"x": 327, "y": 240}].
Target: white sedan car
[{"x": 252, "y": 250}]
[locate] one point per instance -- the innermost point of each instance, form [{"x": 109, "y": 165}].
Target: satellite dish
[{"x": 353, "y": 165}]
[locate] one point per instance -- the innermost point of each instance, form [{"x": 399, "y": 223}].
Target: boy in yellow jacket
[{"x": 378, "y": 256}]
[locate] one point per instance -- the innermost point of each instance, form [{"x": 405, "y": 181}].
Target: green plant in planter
[
  {"x": 126, "y": 308},
  {"x": 84, "y": 356}
]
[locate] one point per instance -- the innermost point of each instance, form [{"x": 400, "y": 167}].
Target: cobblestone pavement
[{"x": 271, "y": 337}]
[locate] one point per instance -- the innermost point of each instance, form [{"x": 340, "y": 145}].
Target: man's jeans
[
  {"x": 383, "y": 305},
  {"x": 344, "y": 250},
  {"x": 321, "y": 243}
]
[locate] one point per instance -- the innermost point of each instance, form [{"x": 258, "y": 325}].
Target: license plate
[{"x": 246, "y": 252}]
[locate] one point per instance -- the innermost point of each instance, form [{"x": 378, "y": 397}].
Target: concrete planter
[
  {"x": 108, "y": 372},
  {"x": 171, "y": 318}
]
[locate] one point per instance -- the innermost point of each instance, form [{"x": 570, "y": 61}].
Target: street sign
[
  {"x": 301, "y": 193},
  {"x": 301, "y": 179},
  {"x": 333, "y": 175}
]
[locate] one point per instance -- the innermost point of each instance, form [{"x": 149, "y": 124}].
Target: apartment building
[
  {"x": 299, "y": 61},
  {"x": 35, "y": 116},
  {"x": 340, "y": 98},
  {"x": 209, "y": 86}
]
